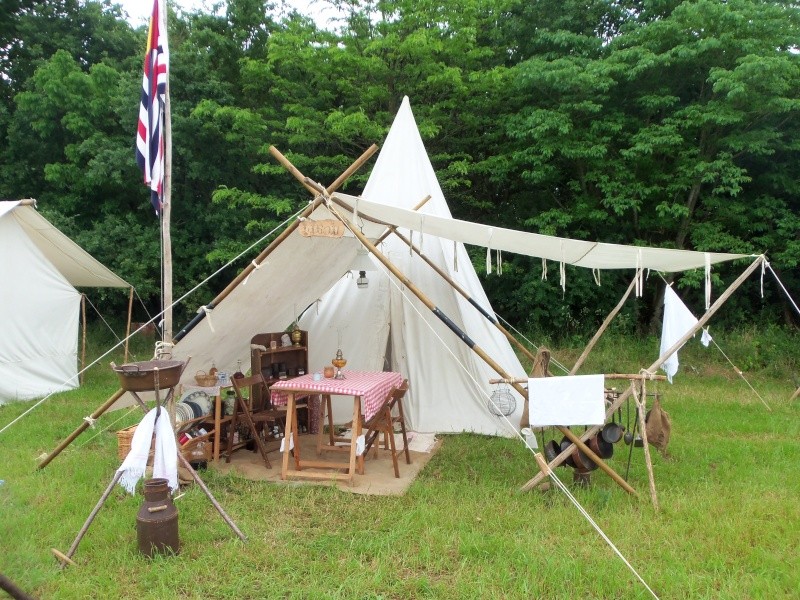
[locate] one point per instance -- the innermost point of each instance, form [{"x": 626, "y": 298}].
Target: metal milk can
[{"x": 157, "y": 520}]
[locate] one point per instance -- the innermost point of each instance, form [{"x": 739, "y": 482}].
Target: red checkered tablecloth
[{"x": 372, "y": 386}]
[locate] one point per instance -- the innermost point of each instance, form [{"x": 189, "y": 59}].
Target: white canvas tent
[
  {"x": 40, "y": 306},
  {"x": 377, "y": 328},
  {"x": 385, "y": 326}
]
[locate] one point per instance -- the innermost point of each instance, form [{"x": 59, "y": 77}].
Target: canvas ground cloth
[{"x": 378, "y": 478}]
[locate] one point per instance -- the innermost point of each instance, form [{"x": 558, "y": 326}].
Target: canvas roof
[{"x": 77, "y": 266}]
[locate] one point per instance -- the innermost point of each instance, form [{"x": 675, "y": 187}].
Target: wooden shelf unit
[{"x": 269, "y": 361}]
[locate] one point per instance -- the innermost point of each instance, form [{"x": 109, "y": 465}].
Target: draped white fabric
[{"x": 594, "y": 255}]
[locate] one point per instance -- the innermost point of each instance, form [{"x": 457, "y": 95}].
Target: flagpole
[{"x": 166, "y": 239}]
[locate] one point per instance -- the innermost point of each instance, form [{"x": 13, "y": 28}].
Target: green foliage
[{"x": 662, "y": 123}]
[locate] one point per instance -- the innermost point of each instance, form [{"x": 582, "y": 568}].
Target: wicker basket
[
  {"x": 124, "y": 437},
  {"x": 205, "y": 380}
]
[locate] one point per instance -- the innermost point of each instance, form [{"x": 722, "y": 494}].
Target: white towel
[
  {"x": 570, "y": 400},
  {"x": 165, "y": 461},
  {"x": 678, "y": 320}
]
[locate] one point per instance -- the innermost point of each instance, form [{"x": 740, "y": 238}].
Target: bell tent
[
  {"x": 41, "y": 307},
  {"x": 378, "y": 326}
]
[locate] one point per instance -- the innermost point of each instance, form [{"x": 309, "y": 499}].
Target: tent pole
[
  {"x": 469, "y": 342},
  {"x": 83, "y": 427},
  {"x": 128, "y": 326},
  {"x": 83, "y": 342},
  {"x": 603, "y": 327},
  {"x": 365, "y": 156},
  {"x": 455, "y": 285},
  {"x": 532, "y": 483},
  {"x": 464, "y": 293}
]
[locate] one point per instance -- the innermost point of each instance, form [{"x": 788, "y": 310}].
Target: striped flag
[{"x": 150, "y": 135}]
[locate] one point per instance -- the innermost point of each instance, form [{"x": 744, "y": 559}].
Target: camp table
[{"x": 368, "y": 389}]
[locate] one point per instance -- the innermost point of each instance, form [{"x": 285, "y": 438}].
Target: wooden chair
[
  {"x": 253, "y": 415},
  {"x": 383, "y": 421}
]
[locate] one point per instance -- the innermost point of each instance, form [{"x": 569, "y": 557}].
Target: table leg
[
  {"x": 323, "y": 406},
  {"x": 331, "y": 434},
  {"x": 290, "y": 407},
  {"x": 355, "y": 432},
  {"x": 217, "y": 425}
]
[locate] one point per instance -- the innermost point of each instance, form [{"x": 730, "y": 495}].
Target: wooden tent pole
[
  {"x": 365, "y": 156},
  {"x": 466, "y": 295},
  {"x": 558, "y": 460},
  {"x": 83, "y": 427},
  {"x": 453, "y": 283},
  {"x": 603, "y": 327},
  {"x": 128, "y": 326},
  {"x": 648, "y": 462},
  {"x": 83, "y": 342}
]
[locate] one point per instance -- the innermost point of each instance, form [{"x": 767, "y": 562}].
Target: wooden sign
[{"x": 326, "y": 228}]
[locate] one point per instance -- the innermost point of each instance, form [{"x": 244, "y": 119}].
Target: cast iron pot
[
  {"x": 612, "y": 432},
  {"x": 601, "y": 447}
]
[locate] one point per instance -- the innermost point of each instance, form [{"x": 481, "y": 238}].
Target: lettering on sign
[{"x": 325, "y": 228}]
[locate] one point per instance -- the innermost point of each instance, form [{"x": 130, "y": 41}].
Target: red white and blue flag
[{"x": 150, "y": 135}]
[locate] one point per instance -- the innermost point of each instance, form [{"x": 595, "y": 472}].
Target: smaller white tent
[{"x": 39, "y": 305}]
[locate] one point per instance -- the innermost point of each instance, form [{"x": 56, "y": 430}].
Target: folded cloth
[{"x": 165, "y": 461}]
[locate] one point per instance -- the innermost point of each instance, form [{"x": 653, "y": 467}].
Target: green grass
[{"x": 729, "y": 525}]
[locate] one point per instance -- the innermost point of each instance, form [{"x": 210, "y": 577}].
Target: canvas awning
[{"x": 593, "y": 255}]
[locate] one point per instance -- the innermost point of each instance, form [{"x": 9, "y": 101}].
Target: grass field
[{"x": 729, "y": 524}]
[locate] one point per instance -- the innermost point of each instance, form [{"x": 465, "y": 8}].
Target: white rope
[
  {"x": 535, "y": 347},
  {"x": 107, "y": 427},
  {"x": 102, "y": 318},
  {"x": 174, "y": 303},
  {"x": 514, "y": 430},
  {"x": 740, "y": 374},
  {"x": 544, "y": 269},
  {"x": 90, "y": 421},
  {"x": 560, "y": 485},
  {"x": 707, "y": 259},
  {"x": 256, "y": 267},
  {"x": 785, "y": 291},
  {"x": 207, "y": 311},
  {"x": 489, "y": 252},
  {"x": 596, "y": 275}
]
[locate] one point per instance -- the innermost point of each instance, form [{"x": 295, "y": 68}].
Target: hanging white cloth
[
  {"x": 678, "y": 320},
  {"x": 165, "y": 460}
]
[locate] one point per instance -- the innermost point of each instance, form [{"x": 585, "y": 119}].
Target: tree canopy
[{"x": 660, "y": 122}]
